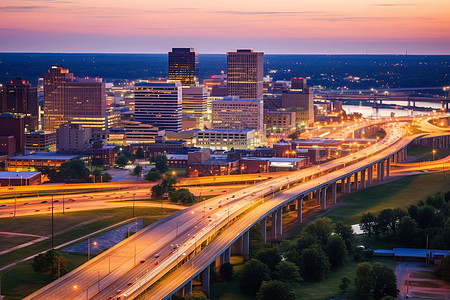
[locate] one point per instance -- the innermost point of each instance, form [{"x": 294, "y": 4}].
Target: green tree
[
  {"x": 153, "y": 175},
  {"x": 139, "y": 153},
  {"x": 345, "y": 283},
  {"x": 385, "y": 218},
  {"x": 425, "y": 216},
  {"x": 252, "y": 274},
  {"x": 321, "y": 229},
  {"x": 161, "y": 163},
  {"x": 287, "y": 272},
  {"x": 445, "y": 269},
  {"x": 275, "y": 289},
  {"x": 98, "y": 161},
  {"x": 385, "y": 281},
  {"x": 363, "y": 279},
  {"x": 122, "y": 161},
  {"x": 270, "y": 256},
  {"x": 183, "y": 196},
  {"x": 106, "y": 177},
  {"x": 157, "y": 191},
  {"x": 369, "y": 224},
  {"x": 196, "y": 296},
  {"x": 347, "y": 234},
  {"x": 226, "y": 270},
  {"x": 315, "y": 264},
  {"x": 336, "y": 251},
  {"x": 74, "y": 170},
  {"x": 50, "y": 263},
  {"x": 407, "y": 229},
  {"x": 137, "y": 171}
]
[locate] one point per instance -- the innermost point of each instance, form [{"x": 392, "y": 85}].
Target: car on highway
[
  {"x": 3, "y": 205},
  {"x": 55, "y": 201},
  {"x": 156, "y": 255},
  {"x": 142, "y": 261},
  {"x": 26, "y": 203},
  {"x": 72, "y": 200},
  {"x": 44, "y": 201}
]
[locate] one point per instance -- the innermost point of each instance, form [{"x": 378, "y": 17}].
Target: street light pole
[
  {"x": 15, "y": 202},
  {"x": 52, "y": 225}
]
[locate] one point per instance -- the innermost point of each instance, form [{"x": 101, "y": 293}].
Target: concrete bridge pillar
[
  {"x": 383, "y": 169},
  {"x": 324, "y": 201},
  {"x": 236, "y": 248},
  {"x": 370, "y": 174},
  {"x": 378, "y": 171},
  {"x": 280, "y": 221},
  {"x": 363, "y": 178},
  {"x": 246, "y": 239},
  {"x": 349, "y": 184},
  {"x": 264, "y": 229},
  {"x": 206, "y": 281},
  {"x": 334, "y": 192},
  {"x": 355, "y": 178},
  {"x": 187, "y": 288},
  {"x": 274, "y": 225},
  {"x": 300, "y": 209},
  {"x": 319, "y": 194},
  {"x": 388, "y": 168}
]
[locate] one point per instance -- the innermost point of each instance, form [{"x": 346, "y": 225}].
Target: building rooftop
[
  {"x": 274, "y": 159},
  {"x": 45, "y": 155},
  {"x": 23, "y": 175},
  {"x": 228, "y": 130}
]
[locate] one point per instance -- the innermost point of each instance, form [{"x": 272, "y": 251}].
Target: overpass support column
[
  {"x": 334, "y": 192},
  {"x": 378, "y": 171},
  {"x": 300, "y": 209},
  {"x": 324, "y": 203},
  {"x": 264, "y": 228},
  {"x": 188, "y": 288},
  {"x": 319, "y": 195},
  {"x": 246, "y": 238},
  {"x": 370, "y": 174},
  {"x": 363, "y": 178},
  {"x": 274, "y": 225},
  {"x": 388, "y": 167},
  {"x": 280, "y": 221},
  {"x": 383, "y": 169},
  {"x": 206, "y": 281},
  {"x": 349, "y": 184},
  {"x": 355, "y": 178}
]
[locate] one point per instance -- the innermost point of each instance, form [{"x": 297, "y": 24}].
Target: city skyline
[{"x": 322, "y": 27}]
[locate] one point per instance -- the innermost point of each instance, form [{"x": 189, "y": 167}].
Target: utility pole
[
  {"x": 15, "y": 202},
  {"x": 63, "y": 204},
  {"x": 52, "y": 225}
]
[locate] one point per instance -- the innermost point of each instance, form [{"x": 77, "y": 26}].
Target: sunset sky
[{"x": 272, "y": 26}]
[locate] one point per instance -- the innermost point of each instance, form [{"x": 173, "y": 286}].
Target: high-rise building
[
  {"x": 235, "y": 113},
  {"x": 194, "y": 107},
  {"x": 159, "y": 103},
  {"x": 300, "y": 99},
  {"x": 67, "y": 98},
  {"x": 18, "y": 97},
  {"x": 245, "y": 71},
  {"x": 12, "y": 131},
  {"x": 183, "y": 66}
]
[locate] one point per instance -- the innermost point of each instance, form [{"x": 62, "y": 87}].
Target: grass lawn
[
  {"x": 21, "y": 280},
  {"x": 418, "y": 151},
  {"x": 329, "y": 287},
  {"x": 399, "y": 193},
  {"x": 95, "y": 220}
]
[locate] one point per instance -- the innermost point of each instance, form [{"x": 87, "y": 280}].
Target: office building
[
  {"x": 225, "y": 139},
  {"x": 40, "y": 141},
  {"x": 72, "y": 138},
  {"x": 194, "y": 107},
  {"x": 279, "y": 121},
  {"x": 235, "y": 113},
  {"x": 67, "y": 98},
  {"x": 183, "y": 66},
  {"x": 18, "y": 97},
  {"x": 245, "y": 71},
  {"x": 159, "y": 103},
  {"x": 12, "y": 130},
  {"x": 137, "y": 132}
]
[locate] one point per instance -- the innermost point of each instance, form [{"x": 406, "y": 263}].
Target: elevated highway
[{"x": 132, "y": 266}]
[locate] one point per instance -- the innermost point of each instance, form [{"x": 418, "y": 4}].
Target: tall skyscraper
[
  {"x": 67, "y": 98},
  {"x": 18, "y": 97},
  {"x": 194, "y": 106},
  {"x": 183, "y": 66},
  {"x": 159, "y": 104},
  {"x": 245, "y": 72}
]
